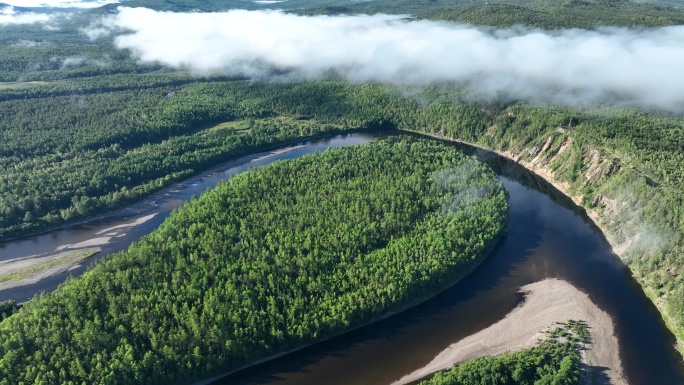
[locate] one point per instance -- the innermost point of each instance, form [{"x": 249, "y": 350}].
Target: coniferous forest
[
  {"x": 274, "y": 259},
  {"x": 299, "y": 251}
]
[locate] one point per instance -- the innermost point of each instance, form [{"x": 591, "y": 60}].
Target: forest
[
  {"x": 587, "y": 14},
  {"x": 275, "y": 258},
  {"x": 122, "y": 146},
  {"x": 503, "y": 13},
  {"x": 84, "y": 128}
]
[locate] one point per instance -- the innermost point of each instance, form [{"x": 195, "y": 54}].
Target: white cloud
[
  {"x": 638, "y": 67},
  {"x": 72, "y": 62},
  {"x": 100, "y": 28},
  {"x": 95, "y": 32},
  {"x": 59, "y": 3},
  {"x": 9, "y": 16}
]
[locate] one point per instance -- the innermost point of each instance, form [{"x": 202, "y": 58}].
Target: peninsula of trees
[{"x": 274, "y": 259}]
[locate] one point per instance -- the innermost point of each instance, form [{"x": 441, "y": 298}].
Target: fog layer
[{"x": 642, "y": 67}]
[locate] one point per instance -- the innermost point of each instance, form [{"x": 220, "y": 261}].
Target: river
[{"x": 548, "y": 237}]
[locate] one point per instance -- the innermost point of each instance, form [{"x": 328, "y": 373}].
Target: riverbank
[
  {"x": 146, "y": 203},
  {"x": 546, "y": 303},
  {"x": 622, "y": 234},
  {"x": 544, "y": 173},
  {"x": 29, "y": 270},
  {"x": 488, "y": 251},
  {"x": 392, "y": 360}
]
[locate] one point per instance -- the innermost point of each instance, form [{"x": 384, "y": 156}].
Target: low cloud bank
[
  {"x": 59, "y": 3},
  {"x": 9, "y": 16},
  {"x": 611, "y": 65}
]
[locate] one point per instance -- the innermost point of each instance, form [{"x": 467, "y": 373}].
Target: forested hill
[
  {"x": 571, "y": 14},
  {"x": 502, "y": 13},
  {"x": 587, "y": 14},
  {"x": 274, "y": 259}
]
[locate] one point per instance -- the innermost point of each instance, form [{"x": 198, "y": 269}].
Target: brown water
[{"x": 548, "y": 236}]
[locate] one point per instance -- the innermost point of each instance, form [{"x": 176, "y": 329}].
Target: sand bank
[
  {"x": 110, "y": 231},
  {"x": 546, "y": 303},
  {"x": 29, "y": 270}
]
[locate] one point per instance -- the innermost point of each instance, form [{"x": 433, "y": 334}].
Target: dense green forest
[
  {"x": 84, "y": 128},
  {"x": 555, "y": 361},
  {"x": 503, "y": 13},
  {"x": 586, "y": 14},
  {"x": 128, "y": 143},
  {"x": 273, "y": 259},
  {"x": 571, "y": 14},
  {"x": 69, "y": 156}
]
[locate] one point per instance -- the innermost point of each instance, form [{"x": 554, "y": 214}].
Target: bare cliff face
[
  {"x": 603, "y": 184},
  {"x": 615, "y": 193},
  {"x": 592, "y": 178}
]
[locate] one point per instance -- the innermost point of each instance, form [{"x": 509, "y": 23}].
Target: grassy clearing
[
  {"x": 237, "y": 125},
  {"x": 246, "y": 125},
  {"x": 15, "y": 85}
]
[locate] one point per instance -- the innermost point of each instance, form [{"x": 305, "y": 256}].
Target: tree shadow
[{"x": 593, "y": 375}]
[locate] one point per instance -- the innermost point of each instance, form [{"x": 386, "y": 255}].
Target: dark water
[{"x": 547, "y": 237}]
